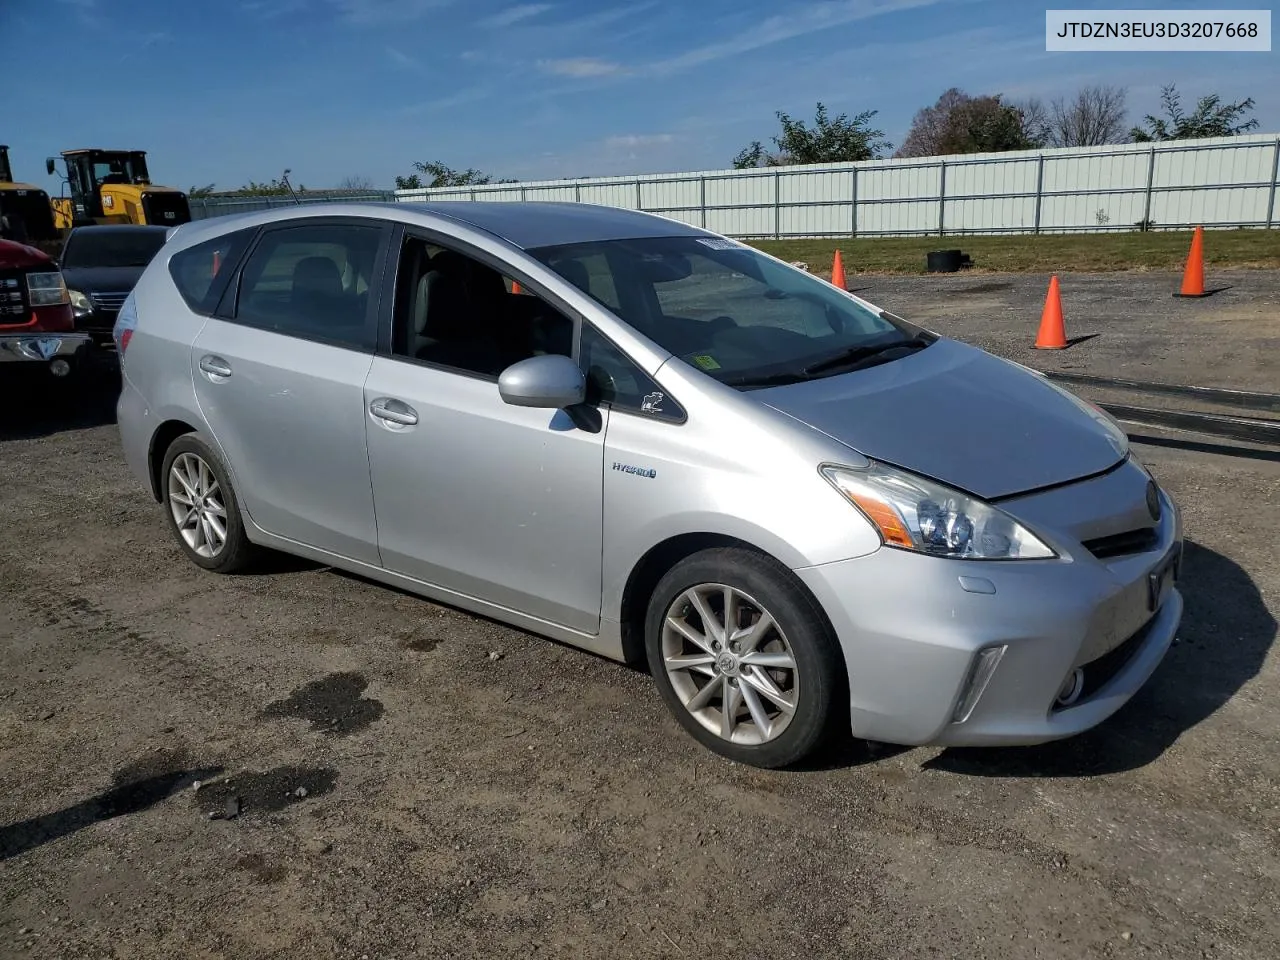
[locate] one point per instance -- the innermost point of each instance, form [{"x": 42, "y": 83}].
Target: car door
[
  {"x": 279, "y": 375},
  {"x": 489, "y": 500}
]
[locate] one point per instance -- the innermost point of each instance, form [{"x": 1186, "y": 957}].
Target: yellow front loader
[{"x": 113, "y": 186}]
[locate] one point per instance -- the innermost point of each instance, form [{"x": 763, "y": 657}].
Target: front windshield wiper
[
  {"x": 854, "y": 356},
  {"x": 767, "y": 380}
]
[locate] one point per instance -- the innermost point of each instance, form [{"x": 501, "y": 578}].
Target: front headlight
[
  {"x": 80, "y": 304},
  {"x": 913, "y": 513}
]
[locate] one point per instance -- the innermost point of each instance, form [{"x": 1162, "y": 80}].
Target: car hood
[
  {"x": 102, "y": 279},
  {"x": 959, "y": 415}
]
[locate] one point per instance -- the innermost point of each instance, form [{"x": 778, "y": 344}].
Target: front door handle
[
  {"x": 394, "y": 411},
  {"x": 215, "y": 368}
]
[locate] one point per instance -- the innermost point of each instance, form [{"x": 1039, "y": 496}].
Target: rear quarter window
[{"x": 200, "y": 273}]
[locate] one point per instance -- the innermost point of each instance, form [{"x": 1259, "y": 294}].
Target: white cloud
[
  {"x": 795, "y": 23},
  {"x": 580, "y": 67},
  {"x": 400, "y": 58},
  {"x": 635, "y": 140},
  {"x": 386, "y": 11},
  {"x": 514, "y": 15},
  {"x": 270, "y": 9}
]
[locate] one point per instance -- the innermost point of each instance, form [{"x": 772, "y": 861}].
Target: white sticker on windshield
[{"x": 715, "y": 243}]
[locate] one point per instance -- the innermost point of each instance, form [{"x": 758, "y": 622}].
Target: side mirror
[
  {"x": 550, "y": 381},
  {"x": 50, "y": 165}
]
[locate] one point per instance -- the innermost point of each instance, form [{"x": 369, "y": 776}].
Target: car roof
[
  {"x": 522, "y": 224},
  {"x": 541, "y": 223}
]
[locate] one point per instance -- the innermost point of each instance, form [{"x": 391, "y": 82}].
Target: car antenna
[{"x": 285, "y": 178}]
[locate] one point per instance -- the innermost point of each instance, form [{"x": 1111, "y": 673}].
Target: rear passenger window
[
  {"x": 200, "y": 272},
  {"x": 312, "y": 282}
]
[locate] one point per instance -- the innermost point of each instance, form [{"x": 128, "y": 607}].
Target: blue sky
[{"x": 225, "y": 91}]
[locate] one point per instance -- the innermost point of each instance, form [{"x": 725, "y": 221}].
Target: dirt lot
[{"x": 375, "y": 783}]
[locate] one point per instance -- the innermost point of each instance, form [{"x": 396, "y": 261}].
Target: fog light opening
[
  {"x": 980, "y": 673},
  {"x": 59, "y": 367},
  {"x": 1072, "y": 689}
]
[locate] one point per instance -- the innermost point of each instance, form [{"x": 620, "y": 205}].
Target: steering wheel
[{"x": 723, "y": 323}]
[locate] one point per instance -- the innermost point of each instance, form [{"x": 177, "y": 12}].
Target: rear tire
[
  {"x": 202, "y": 508},
  {"x": 767, "y": 697}
]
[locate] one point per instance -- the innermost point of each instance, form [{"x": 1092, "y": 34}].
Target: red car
[{"x": 37, "y": 324}]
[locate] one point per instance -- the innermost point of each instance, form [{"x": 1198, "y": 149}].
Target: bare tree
[
  {"x": 1094, "y": 116},
  {"x": 355, "y": 182},
  {"x": 930, "y": 126},
  {"x": 959, "y": 123},
  {"x": 1036, "y": 121}
]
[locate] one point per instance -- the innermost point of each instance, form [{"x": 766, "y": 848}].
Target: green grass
[{"x": 1076, "y": 252}]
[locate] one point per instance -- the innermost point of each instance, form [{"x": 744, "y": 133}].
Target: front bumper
[
  {"x": 910, "y": 632},
  {"x": 42, "y": 347}
]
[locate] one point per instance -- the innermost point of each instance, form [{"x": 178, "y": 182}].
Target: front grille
[
  {"x": 109, "y": 302},
  {"x": 1124, "y": 544}
]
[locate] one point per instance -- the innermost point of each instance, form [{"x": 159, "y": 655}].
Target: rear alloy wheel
[
  {"x": 743, "y": 657},
  {"x": 202, "y": 507}
]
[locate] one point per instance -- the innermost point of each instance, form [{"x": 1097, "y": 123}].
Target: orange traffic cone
[
  {"x": 1053, "y": 335},
  {"x": 837, "y": 273},
  {"x": 1193, "y": 273},
  {"x": 217, "y": 262},
  {"x": 515, "y": 286}
]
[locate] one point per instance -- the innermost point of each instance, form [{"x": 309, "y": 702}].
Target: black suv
[{"x": 101, "y": 264}]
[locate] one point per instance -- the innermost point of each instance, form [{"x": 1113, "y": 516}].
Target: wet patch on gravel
[
  {"x": 260, "y": 869},
  {"x": 333, "y": 704},
  {"x": 420, "y": 644},
  {"x": 269, "y": 791}
]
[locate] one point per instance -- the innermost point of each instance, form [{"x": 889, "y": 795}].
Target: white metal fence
[
  {"x": 1223, "y": 182},
  {"x": 205, "y": 207}
]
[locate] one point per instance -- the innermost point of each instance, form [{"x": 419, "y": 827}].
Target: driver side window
[{"x": 454, "y": 311}]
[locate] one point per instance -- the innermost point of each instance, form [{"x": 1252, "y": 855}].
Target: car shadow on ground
[
  {"x": 1222, "y": 644},
  {"x": 39, "y": 406}
]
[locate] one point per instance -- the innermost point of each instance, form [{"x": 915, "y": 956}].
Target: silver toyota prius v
[{"x": 806, "y": 514}]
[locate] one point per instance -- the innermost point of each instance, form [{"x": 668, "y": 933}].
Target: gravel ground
[{"x": 382, "y": 777}]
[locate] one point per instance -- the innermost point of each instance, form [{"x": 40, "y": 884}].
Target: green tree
[
  {"x": 432, "y": 174},
  {"x": 1211, "y": 118},
  {"x": 838, "y": 139},
  {"x": 207, "y": 190}
]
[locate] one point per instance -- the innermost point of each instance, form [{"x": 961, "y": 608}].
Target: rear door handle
[
  {"x": 215, "y": 368},
  {"x": 394, "y": 411}
]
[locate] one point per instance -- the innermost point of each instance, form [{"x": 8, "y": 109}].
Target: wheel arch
[
  {"x": 161, "y": 440},
  {"x": 653, "y": 565}
]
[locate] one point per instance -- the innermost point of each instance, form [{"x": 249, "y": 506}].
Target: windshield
[
  {"x": 727, "y": 309},
  {"x": 112, "y": 248},
  {"x": 120, "y": 168}
]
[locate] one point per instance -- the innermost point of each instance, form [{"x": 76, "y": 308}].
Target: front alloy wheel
[
  {"x": 744, "y": 657},
  {"x": 730, "y": 664}
]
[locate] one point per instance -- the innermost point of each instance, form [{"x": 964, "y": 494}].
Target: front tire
[
  {"x": 202, "y": 508},
  {"x": 744, "y": 658}
]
